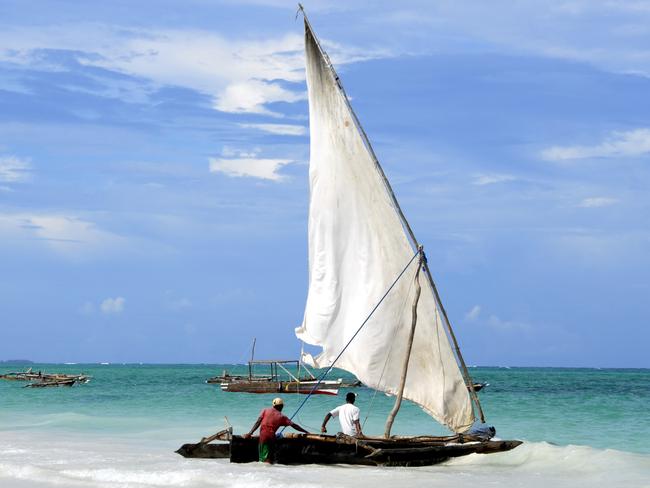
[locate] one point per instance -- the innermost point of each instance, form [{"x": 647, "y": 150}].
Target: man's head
[
  {"x": 350, "y": 397},
  {"x": 278, "y": 404}
]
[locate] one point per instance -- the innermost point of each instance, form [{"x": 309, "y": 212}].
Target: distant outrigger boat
[
  {"x": 40, "y": 379},
  {"x": 280, "y": 379}
]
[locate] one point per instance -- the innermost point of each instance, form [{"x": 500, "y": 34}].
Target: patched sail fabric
[{"x": 357, "y": 247}]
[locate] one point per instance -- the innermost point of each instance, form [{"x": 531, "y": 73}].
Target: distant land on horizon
[{"x": 119, "y": 363}]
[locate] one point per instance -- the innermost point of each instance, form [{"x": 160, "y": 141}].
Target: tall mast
[
  {"x": 409, "y": 346},
  {"x": 405, "y": 224}
]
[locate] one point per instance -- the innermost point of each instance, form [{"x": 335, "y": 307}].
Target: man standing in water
[
  {"x": 348, "y": 415},
  {"x": 271, "y": 419}
]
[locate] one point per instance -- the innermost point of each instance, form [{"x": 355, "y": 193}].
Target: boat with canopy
[{"x": 278, "y": 376}]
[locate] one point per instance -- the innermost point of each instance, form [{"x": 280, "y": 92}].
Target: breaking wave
[{"x": 39, "y": 463}]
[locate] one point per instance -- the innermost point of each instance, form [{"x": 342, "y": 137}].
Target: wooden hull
[
  {"x": 78, "y": 378},
  {"x": 203, "y": 451},
  {"x": 13, "y": 377},
  {"x": 325, "y": 449},
  {"x": 222, "y": 379},
  {"x": 49, "y": 384},
  {"x": 303, "y": 387}
]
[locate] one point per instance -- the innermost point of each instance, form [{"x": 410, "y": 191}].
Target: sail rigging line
[
  {"x": 466, "y": 375},
  {"x": 405, "y": 224},
  {"x": 331, "y": 366},
  {"x": 383, "y": 369}
]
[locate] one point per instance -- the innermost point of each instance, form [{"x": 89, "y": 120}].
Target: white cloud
[
  {"x": 70, "y": 236},
  {"x": 230, "y": 152},
  {"x": 240, "y": 75},
  {"x": 278, "y": 129},
  {"x": 473, "y": 314},
  {"x": 13, "y": 169},
  {"x": 494, "y": 322},
  {"x": 266, "y": 169},
  {"x": 237, "y": 74},
  {"x": 246, "y": 163},
  {"x": 65, "y": 230},
  {"x": 251, "y": 96},
  {"x": 113, "y": 305},
  {"x": 594, "y": 202},
  {"x": 609, "y": 34},
  {"x": 491, "y": 179},
  {"x": 617, "y": 144}
]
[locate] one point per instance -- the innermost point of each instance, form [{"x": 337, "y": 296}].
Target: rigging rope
[
  {"x": 331, "y": 366},
  {"x": 383, "y": 369}
]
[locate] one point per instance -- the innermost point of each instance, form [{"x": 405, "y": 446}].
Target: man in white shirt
[{"x": 348, "y": 415}]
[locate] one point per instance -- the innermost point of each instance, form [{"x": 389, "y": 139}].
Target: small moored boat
[
  {"x": 281, "y": 376},
  {"x": 41, "y": 379}
]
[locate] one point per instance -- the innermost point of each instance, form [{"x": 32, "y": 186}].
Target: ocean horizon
[
  {"x": 580, "y": 427},
  {"x": 29, "y": 363}
]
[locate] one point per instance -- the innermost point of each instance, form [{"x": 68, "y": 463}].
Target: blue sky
[{"x": 153, "y": 172}]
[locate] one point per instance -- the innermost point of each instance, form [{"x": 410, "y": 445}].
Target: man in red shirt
[{"x": 271, "y": 419}]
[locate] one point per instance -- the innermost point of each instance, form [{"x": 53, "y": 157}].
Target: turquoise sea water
[{"x": 130, "y": 411}]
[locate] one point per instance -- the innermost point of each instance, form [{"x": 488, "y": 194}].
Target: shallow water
[{"x": 582, "y": 427}]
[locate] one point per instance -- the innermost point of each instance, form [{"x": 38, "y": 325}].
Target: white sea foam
[{"x": 41, "y": 461}]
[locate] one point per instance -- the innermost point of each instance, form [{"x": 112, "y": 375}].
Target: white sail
[{"x": 357, "y": 247}]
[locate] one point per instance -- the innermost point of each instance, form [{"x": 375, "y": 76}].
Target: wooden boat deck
[{"x": 342, "y": 449}]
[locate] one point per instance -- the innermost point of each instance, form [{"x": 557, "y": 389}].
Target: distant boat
[
  {"x": 480, "y": 386},
  {"x": 279, "y": 376},
  {"x": 364, "y": 257},
  {"x": 41, "y": 379}
]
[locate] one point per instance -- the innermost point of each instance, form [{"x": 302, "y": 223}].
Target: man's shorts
[{"x": 265, "y": 452}]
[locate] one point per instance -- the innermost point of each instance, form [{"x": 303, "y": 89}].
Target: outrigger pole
[{"x": 405, "y": 223}]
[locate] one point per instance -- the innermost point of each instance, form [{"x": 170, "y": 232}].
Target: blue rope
[{"x": 322, "y": 377}]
